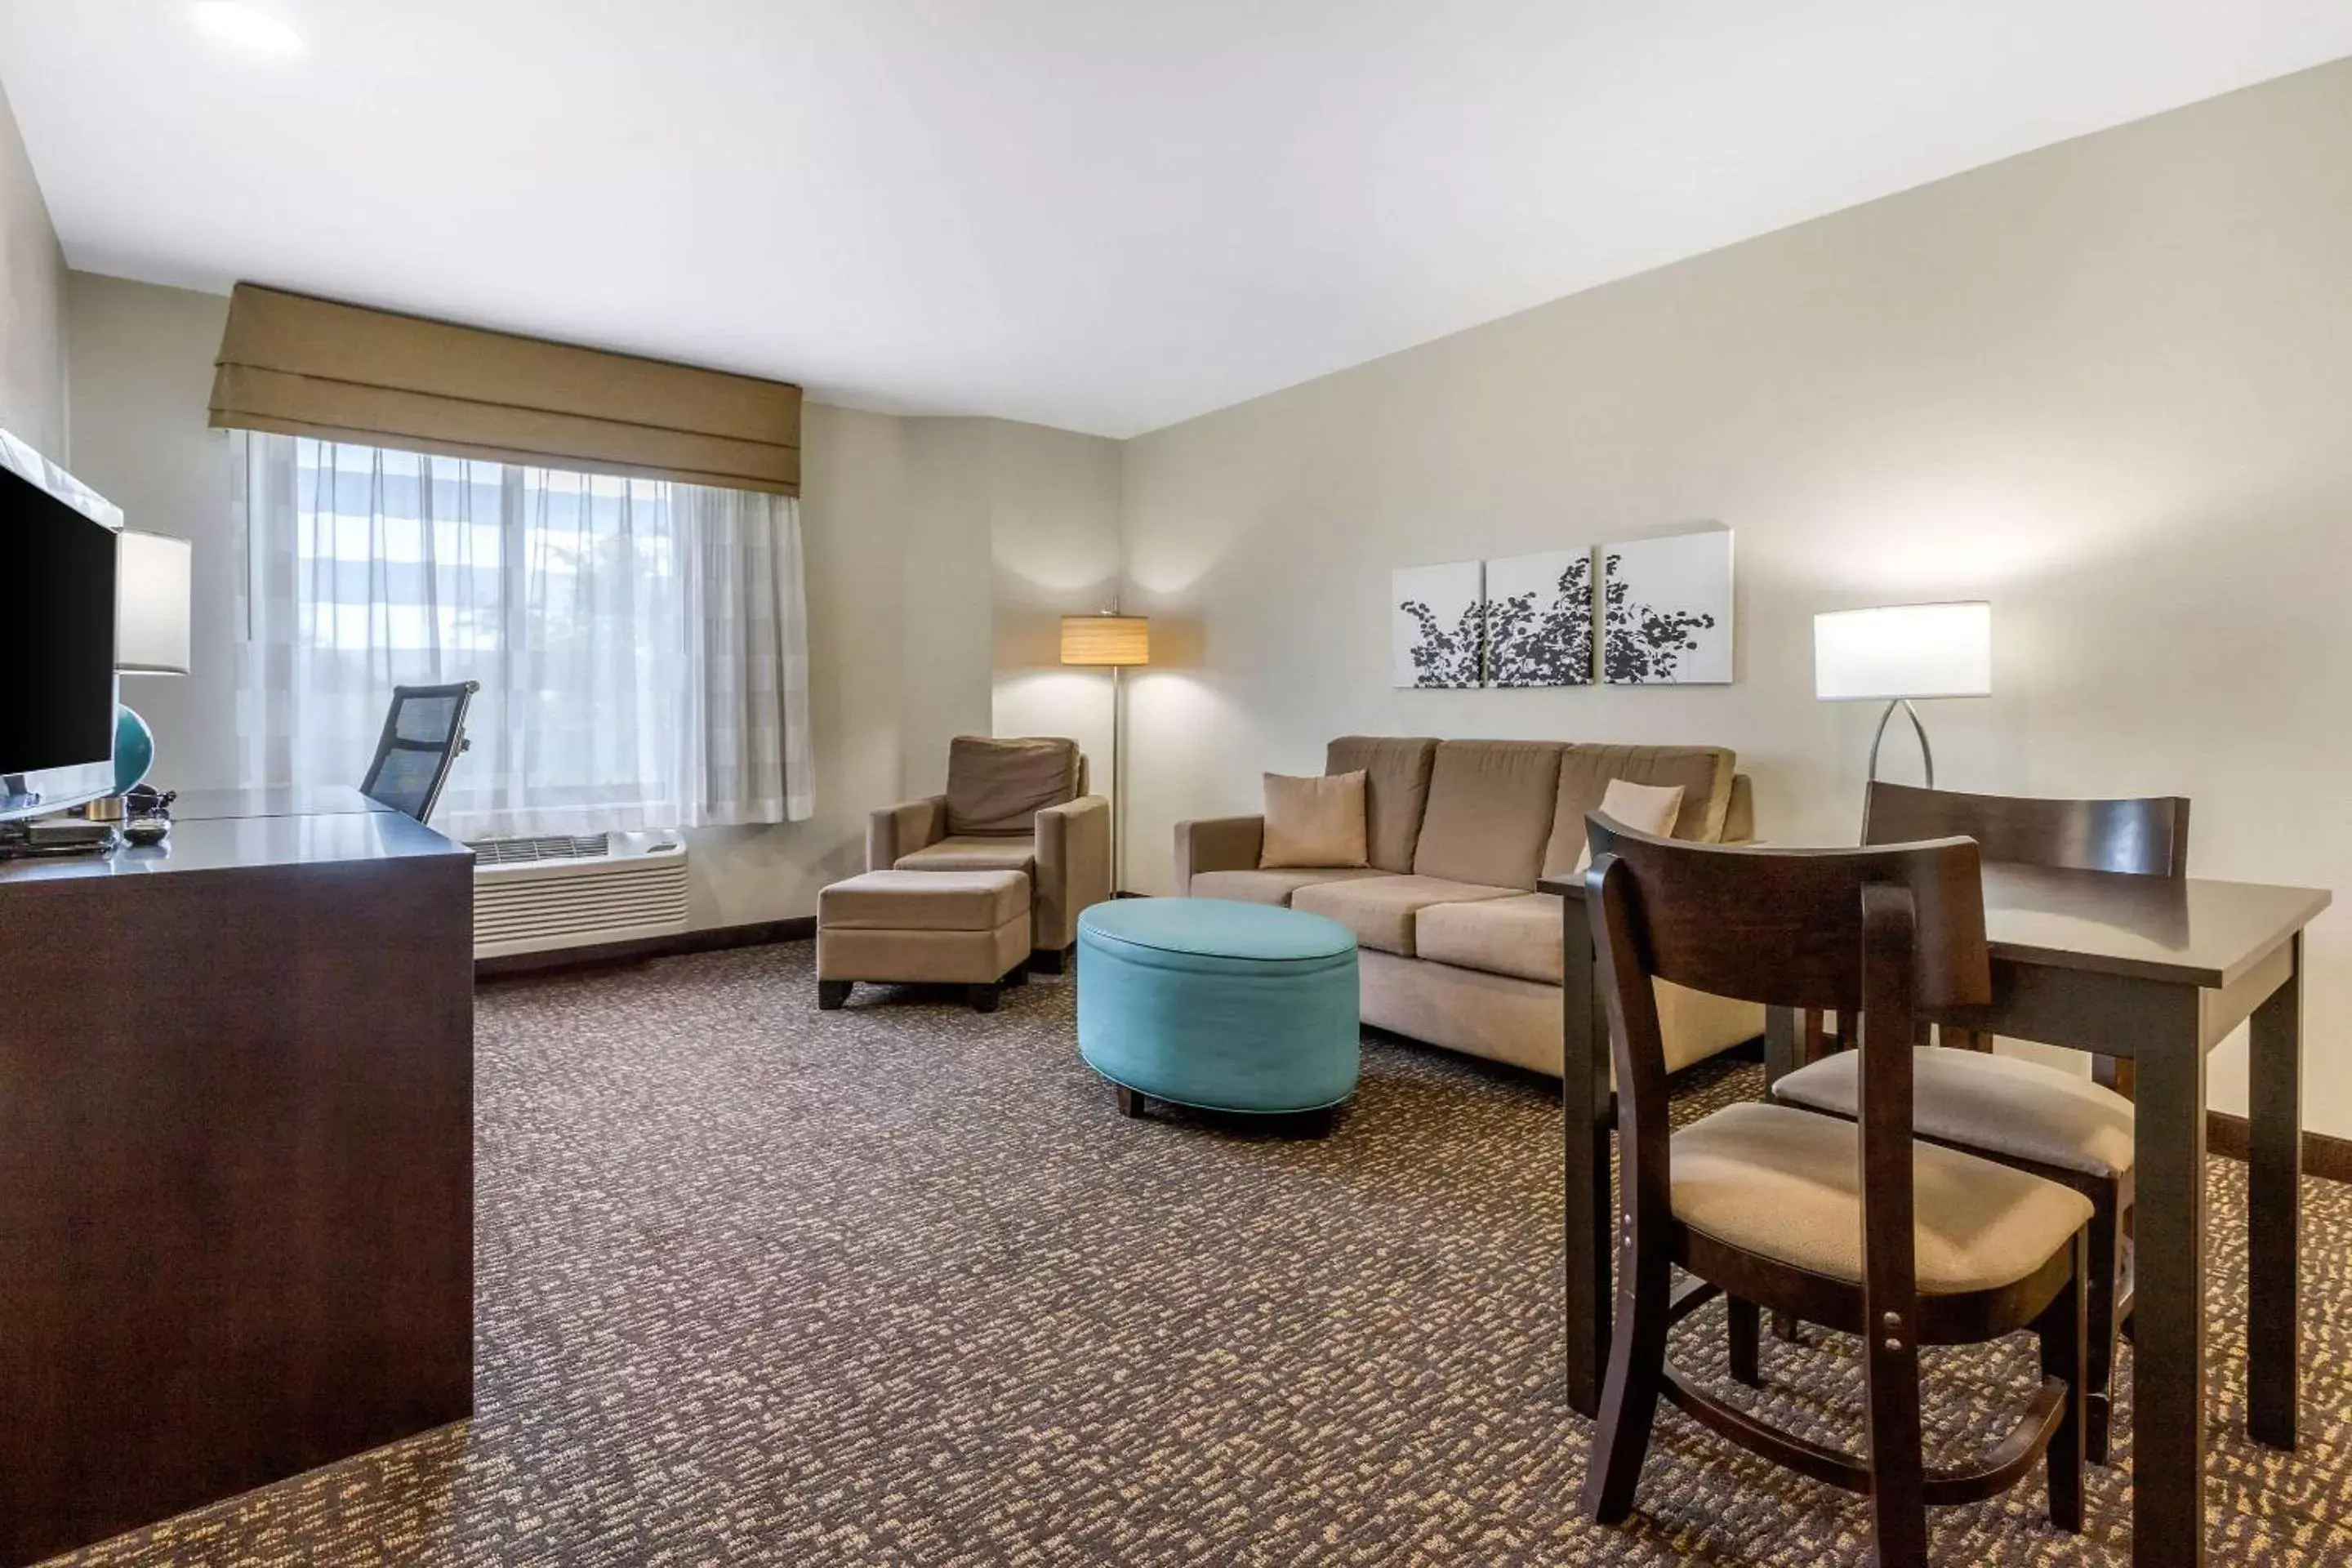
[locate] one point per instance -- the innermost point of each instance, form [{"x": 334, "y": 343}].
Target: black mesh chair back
[{"x": 424, "y": 731}]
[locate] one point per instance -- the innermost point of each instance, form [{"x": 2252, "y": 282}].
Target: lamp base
[{"x": 134, "y": 750}]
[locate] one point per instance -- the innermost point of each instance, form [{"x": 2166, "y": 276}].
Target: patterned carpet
[{"x": 897, "y": 1284}]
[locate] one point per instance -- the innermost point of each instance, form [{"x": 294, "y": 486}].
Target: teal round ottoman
[{"x": 1219, "y": 1005}]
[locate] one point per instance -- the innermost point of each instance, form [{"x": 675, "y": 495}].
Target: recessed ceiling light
[{"x": 253, "y": 31}]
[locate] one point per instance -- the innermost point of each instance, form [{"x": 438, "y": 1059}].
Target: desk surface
[
  {"x": 2195, "y": 931},
  {"x": 296, "y": 800},
  {"x": 246, "y": 843}
]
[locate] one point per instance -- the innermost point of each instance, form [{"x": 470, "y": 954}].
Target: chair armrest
[
  {"x": 1217, "y": 844},
  {"x": 1073, "y": 869},
  {"x": 898, "y": 830}
]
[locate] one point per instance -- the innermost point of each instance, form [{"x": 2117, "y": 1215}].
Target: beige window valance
[{"x": 301, "y": 366}]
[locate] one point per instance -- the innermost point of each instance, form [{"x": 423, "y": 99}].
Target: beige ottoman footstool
[{"x": 957, "y": 928}]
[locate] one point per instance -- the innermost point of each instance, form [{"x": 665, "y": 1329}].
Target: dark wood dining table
[{"x": 2150, "y": 969}]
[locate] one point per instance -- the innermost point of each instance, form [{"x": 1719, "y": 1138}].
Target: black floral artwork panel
[
  {"x": 1437, "y": 626},
  {"x": 1666, "y": 610},
  {"x": 1539, "y": 619}
]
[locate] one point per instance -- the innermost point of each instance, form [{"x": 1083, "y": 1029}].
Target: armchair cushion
[
  {"x": 997, "y": 785},
  {"x": 1002, "y": 853}
]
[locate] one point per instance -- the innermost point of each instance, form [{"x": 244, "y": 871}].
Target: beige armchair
[{"x": 1011, "y": 805}]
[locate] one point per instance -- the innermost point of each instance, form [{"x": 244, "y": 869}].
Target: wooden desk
[
  {"x": 2143, "y": 967},
  {"x": 235, "y": 1163}
]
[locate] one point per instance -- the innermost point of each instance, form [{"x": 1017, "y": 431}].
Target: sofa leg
[
  {"x": 1049, "y": 960},
  {"x": 1015, "y": 977},
  {"x": 832, "y": 993},
  {"x": 982, "y": 996},
  {"x": 1129, "y": 1102}
]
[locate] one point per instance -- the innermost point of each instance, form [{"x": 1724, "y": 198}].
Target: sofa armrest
[
  {"x": 1216, "y": 844},
  {"x": 1739, "y": 812},
  {"x": 1073, "y": 869},
  {"x": 897, "y": 830}
]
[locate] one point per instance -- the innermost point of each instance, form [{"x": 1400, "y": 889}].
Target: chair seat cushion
[
  {"x": 2025, "y": 1110},
  {"x": 924, "y": 901},
  {"x": 1786, "y": 1185},
  {"x": 1380, "y": 910},
  {"x": 1005, "y": 853},
  {"x": 1263, "y": 887}
]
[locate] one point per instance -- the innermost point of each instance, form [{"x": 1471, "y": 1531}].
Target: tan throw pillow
[
  {"x": 1645, "y": 808},
  {"x": 1314, "y": 822}
]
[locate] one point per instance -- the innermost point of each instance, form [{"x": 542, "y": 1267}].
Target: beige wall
[
  {"x": 2108, "y": 386},
  {"x": 894, "y": 541},
  {"x": 32, "y": 305}
]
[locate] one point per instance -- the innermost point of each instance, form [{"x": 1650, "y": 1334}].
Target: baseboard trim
[
  {"x": 2324, "y": 1154},
  {"x": 715, "y": 940}
]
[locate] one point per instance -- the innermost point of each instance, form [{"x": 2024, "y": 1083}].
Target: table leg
[
  {"x": 1585, "y": 1165},
  {"x": 2169, "y": 1345},
  {"x": 2275, "y": 1209}
]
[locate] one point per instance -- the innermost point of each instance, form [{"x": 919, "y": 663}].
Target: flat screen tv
[{"x": 57, "y": 635}]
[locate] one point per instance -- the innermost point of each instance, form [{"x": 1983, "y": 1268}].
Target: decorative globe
[{"x": 134, "y": 750}]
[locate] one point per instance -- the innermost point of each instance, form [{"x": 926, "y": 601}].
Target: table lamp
[
  {"x": 1897, "y": 653},
  {"x": 150, "y": 635},
  {"x": 1113, "y": 641}
]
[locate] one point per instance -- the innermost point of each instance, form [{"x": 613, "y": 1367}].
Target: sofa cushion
[
  {"x": 1396, "y": 790},
  {"x": 1270, "y": 887},
  {"x": 998, "y": 854},
  {"x": 1704, "y": 772},
  {"x": 997, "y": 785},
  {"x": 1380, "y": 910},
  {"x": 1491, "y": 804},
  {"x": 1518, "y": 936},
  {"x": 1313, "y": 822}
]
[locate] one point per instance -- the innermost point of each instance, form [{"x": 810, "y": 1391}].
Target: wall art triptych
[{"x": 1663, "y": 617}]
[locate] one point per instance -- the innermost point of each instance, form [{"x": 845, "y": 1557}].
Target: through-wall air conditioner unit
[{"x": 531, "y": 895}]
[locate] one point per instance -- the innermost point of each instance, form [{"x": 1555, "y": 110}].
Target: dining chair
[
  {"x": 2036, "y": 1117},
  {"x": 1849, "y": 1224}
]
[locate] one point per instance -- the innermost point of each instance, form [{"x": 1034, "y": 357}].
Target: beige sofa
[
  {"x": 1457, "y": 947},
  {"x": 1012, "y": 804}
]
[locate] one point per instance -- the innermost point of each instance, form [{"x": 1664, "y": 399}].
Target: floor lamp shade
[
  {"x": 1902, "y": 651},
  {"x": 1106, "y": 639},
  {"x": 151, "y": 604}
]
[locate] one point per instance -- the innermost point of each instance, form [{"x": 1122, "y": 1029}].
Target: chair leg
[
  {"x": 2063, "y": 1329},
  {"x": 1744, "y": 1331},
  {"x": 2103, "y": 1286},
  {"x": 1630, "y": 1393},
  {"x": 1898, "y": 1504}
]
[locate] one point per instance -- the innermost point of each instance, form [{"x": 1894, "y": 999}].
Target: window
[{"x": 638, "y": 642}]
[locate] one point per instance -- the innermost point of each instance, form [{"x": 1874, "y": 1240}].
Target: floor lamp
[
  {"x": 1111, "y": 641},
  {"x": 1897, "y": 653}
]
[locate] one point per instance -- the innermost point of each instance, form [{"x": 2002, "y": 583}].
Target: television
[{"x": 56, "y": 628}]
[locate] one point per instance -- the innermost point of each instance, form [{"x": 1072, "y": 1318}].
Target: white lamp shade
[
  {"x": 151, "y": 604},
  {"x": 1904, "y": 650}
]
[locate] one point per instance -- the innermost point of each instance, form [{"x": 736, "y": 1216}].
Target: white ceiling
[{"x": 1105, "y": 215}]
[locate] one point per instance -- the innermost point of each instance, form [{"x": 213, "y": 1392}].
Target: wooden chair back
[
  {"x": 2146, "y": 838},
  {"x": 1875, "y": 933}
]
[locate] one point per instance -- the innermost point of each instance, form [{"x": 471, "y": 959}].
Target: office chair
[{"x": 424, "y": 731}]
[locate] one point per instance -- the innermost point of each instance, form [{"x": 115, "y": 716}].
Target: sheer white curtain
[{"x": 641, "y": 644}]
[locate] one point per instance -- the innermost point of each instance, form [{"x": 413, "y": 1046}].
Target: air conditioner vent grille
[{"x": 531, "y": 851}]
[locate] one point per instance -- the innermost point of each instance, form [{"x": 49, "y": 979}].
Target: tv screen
[{"x": 57, "y": 622}]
